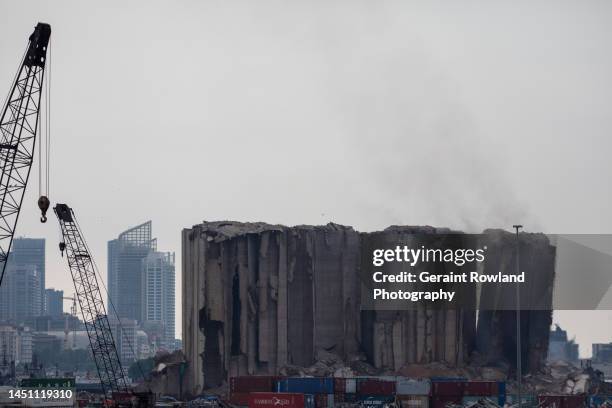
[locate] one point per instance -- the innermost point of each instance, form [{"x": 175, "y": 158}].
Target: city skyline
[{"x": 64, "y": 292}]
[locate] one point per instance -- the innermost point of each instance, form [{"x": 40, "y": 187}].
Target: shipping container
[
  {"x": 562, "y": 401},
  {"x": 501, "y": 385},
  {"x": 372, "y": 386},
  {"x": 280, "y": 400},
  {"x": 413, "y": 401},
  {"x": 350, "y": 398},
  {"x": 574, "y": 401},
  {"x": 410, "y": 386},
  {"x": 375, "y": 400},
  {"x": 442, "y": 401},
  {"x": 447, "y": 379},
  {"x": 339, "y": 385},
  {"x": 471, "y": 399},
  {"x": 550, "y": 401},
  {"x": 324, "y": 400},
  {"x": 253, "y": 383},
  {"x": 306, "y": 385},
  {"x": 351, "y": 386},
  {"x": 527, "y": 400},
  {"x": 239, "y": 398},
  {"x": 344, "y": 398},
  {"x": 599, "y": 401},
  {"x": 481, "y": 388},
  {"x": 345, "y": 385},
  {"x": 447, "y": 389}
]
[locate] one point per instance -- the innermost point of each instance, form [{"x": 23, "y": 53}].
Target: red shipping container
[
  {"x": 253, "y": 383},
  {"x": 370, "y": 386},
  {"x": 275, "y": 400},
  {"x": 239, "y": 398},
  {"x": 481, "y": 388},
  {"x": 447, "y": 389},
  {"x": 321, "y": 400},
  {"x": 340, "y": 385},
  {"x": 574, "y": 401},
  {"x": 550, "y": 401},
  {"x": 441, "y": 401}
]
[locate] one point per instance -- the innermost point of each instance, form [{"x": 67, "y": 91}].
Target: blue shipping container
[
  {"x": 528, "y": 400},
  {"x": 596, "y": 401},
  {"x": 448, "y": 379},
  {"x": 410, "y": 386},
  {"x": 501, "y": 387},
  {"x": 306, "y": 385}
]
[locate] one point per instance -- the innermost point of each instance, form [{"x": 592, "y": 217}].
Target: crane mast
[
  {"x": 90, "y": 301},
  {"x": 18, "y": 128}
]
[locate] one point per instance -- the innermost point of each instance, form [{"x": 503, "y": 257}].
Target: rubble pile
[
  {"x": 561, "y": 377},
  {"x": 165, "y": 378},
  {"x": 330, "y": 364},
  {"x": 470, "y": 372}
]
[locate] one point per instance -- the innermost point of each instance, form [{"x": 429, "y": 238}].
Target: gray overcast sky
[{"x": 462, "y": 114}]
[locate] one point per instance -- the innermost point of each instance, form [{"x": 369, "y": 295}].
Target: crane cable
[{"x": 45, "y": 139}]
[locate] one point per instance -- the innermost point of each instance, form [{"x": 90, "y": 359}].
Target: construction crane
[
  {"x": 19, "y": 124},
  {"x": 87, "y": 292},
  {"x": 73, "y": 312}
]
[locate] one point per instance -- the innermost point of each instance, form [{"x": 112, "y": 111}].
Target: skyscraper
[
  {"x": 124, "y": 333},
  {"x": 158, "y": 297},
  {"x": 30, "y": 251},
  {"x": 20, "y": 295},
  {"x": 125, "y": 277},
  {"x": 54, "y": 302}
]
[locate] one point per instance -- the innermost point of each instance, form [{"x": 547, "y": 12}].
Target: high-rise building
[
  {"x": 602, "y": 352},
  {"x": 125, "y": 277},
  {"x": 30, "y": 251},
  {"x": 54, "y": 302},
  {"x": 125, "y": 335},
  {"x": 20, "y": 295},
  {"x": 15, "y": 345},
  {"x": 158, "y": 298}
]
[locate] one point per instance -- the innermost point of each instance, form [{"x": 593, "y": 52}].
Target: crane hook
[
  {"x": 62, "y": 246},
  {"x": 43, "y": 204}
]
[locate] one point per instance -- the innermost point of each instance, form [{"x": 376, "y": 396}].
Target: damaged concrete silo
[
  {"x": 260, "y": 297},
  {"x": 497, "y": 322},
  {"x": 421, "y": 333}
]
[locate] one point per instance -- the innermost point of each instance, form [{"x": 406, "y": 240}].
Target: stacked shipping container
[
  {"x": 241, "y": 387},
  {"x": 367, "y": 391},
  {"x": 413, "y": 393},
  {"x": 280, "y": 400},
  {"x": 494, "y": 391}
]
